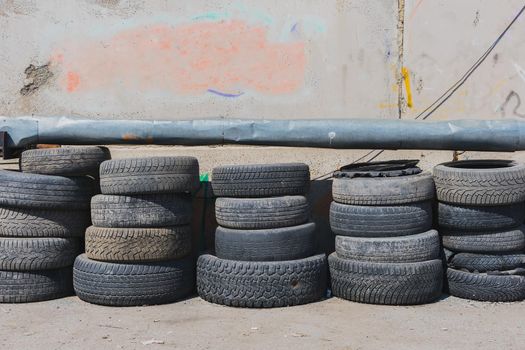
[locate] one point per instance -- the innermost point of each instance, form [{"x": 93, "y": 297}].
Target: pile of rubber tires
[
  {"x": 481, "y": 213},
  {"x": 44, "y": 211},
  {"x": 138, "y": 249},
  {"x": 265, "y": 247},
  {"x": 385, "y": 249}
]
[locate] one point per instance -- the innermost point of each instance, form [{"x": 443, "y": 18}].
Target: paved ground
[{"x": 450, "y": 323}]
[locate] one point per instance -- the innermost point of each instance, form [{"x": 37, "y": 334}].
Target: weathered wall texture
[
  {"x": 442, "y": 39},
  {"x": 195, "y": 59}
]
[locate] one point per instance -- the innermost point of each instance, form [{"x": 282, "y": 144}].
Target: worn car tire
[
  {"x": 114, "y": 284},
  {"x": 34, "y": 222},
  {"x": 480, "y": 218},
  {"x": 286, "y": 243},
  {"x": 31, "y": 254},
  {"x": 383, "y": 190},
  {"x": 261, "y": 284},
  {"x": 386, "y": 283},
  {"x": 419, "y": 247},
  {"x": 138, "y": 244},
  {"x": 65, "y": 161},
  {"x": 261, "y": 180},
  {"x": 485, "y": 242},
  {"x": 380, "y": 221},
  {"x": 480, "y": 182},
  {"x": 31, "y": 286},
  {"x": 486, "y": 262},
  {"x": 483, "y": 287},
  {"x": 45, "y": 191},
  {"x": 261, "y": 213},
  {"x": 149, "y": 175},
  {"x": 151, "y": 210}
]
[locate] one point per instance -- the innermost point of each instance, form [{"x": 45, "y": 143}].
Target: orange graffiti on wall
[{"x": 227, "y": 58}]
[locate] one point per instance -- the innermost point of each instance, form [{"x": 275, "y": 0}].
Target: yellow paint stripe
[{"x": 406, "y": 79}]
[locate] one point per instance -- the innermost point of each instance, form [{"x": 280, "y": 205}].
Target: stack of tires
[
  {"x": 138, "y": 249},
  {"x": 265, "y": 247},
  {"x": 386, "y": 251},
  {"x": 44, "y": 211},
  {"x": 481, "y": 213}
]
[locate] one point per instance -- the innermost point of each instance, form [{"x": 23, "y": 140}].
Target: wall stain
[
  {"x": 476, "y": 18},
  {"x": 36, "y": 76},
  {"x": 513, "y": 95}
]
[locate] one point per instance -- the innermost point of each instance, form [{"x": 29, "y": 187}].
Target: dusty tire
[
  {"x": 383, "y": 190},
  {"x": 485, "y": 287},
  {"x": 31, "y": 254},
  {"x": 386, "y": 283},
  {"x": 486, "y": 262},
  {"x": 31, "y": 286},
  {"x": 149, "y": 175},
  {"x": 153, "y": 210},
  {"x": 480, "y": 182},
  {"x": 261, "y": 284},
  {"x": 287, "y": 243},
  {"x": 137, "y": 244},
  {"x": 487, "y": 242},
  {"x": 115, "y": 284},
  {"x": 419, "y": 247},
  {"x": 261, "y": 180},
  {"x": 480, "y": 218},
  {"x": 65, "y": 161},
  {"x": 380, "y": 221},
  {"x": 31, "y": 222},
  {"x": 261, "y": 213},
  {"x": 45, "y": 191}
]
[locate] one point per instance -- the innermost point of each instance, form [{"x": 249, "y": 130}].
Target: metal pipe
[{"x": 470, "y": 135}]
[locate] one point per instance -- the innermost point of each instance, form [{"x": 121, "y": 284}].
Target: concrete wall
[{"x": 194, "y": 59}]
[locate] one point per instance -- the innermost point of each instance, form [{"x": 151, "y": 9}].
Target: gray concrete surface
[
  {"x": 450, "y": 323},
  {"x": 249, "y": 59}
]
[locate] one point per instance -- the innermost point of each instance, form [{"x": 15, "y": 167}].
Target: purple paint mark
[
  {"x": 223, "y": 94},
  {"x": 294, "y": 27}
]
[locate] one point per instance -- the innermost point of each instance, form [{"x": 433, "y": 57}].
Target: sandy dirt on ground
[{"x": 450, "y": 323}]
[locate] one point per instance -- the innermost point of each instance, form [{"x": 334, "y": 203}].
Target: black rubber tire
[
  {"x": 262, "y": 213},
  {"x": 149, "y": 175},
  {"x": 478, "y": 218},
  {"x": 480, "y": 182},
  {"x": 483, "y": 287},
  {"x": 31, "y": 254},
  {"x": 485, "y": 262},
  {"x": 487, "y": 242},
  {"x": 419, "y": 247},
  {"x": 261, "y": 284},
  {"x": 380, "y": 221},
  {"x": 287, "y": 243},
  {"x": 45, "y": 191},
  {"x": 386, "y": 283},
  {"x": 116, "y": 284},
  {"x": 383, "y": 190},
  {"x": 28, "y": 222},
  {"x": 65, "y": 161},
  {"x": 31, "y": 286},
  {"x": 138, "y": 244},
  {"x": 261, "y": 180},
  {"x": 151, "y": 210}
]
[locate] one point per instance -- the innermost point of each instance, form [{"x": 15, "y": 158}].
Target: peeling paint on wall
[
  {"x": 36, "y": 76},
  {"x": 225, "y": 58}
]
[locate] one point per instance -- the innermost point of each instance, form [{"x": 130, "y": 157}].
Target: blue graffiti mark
[
  {"x": 224, "y": 94},
  {"x": 294, "y": 27},
  {"x": 212, "y": 16}
]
